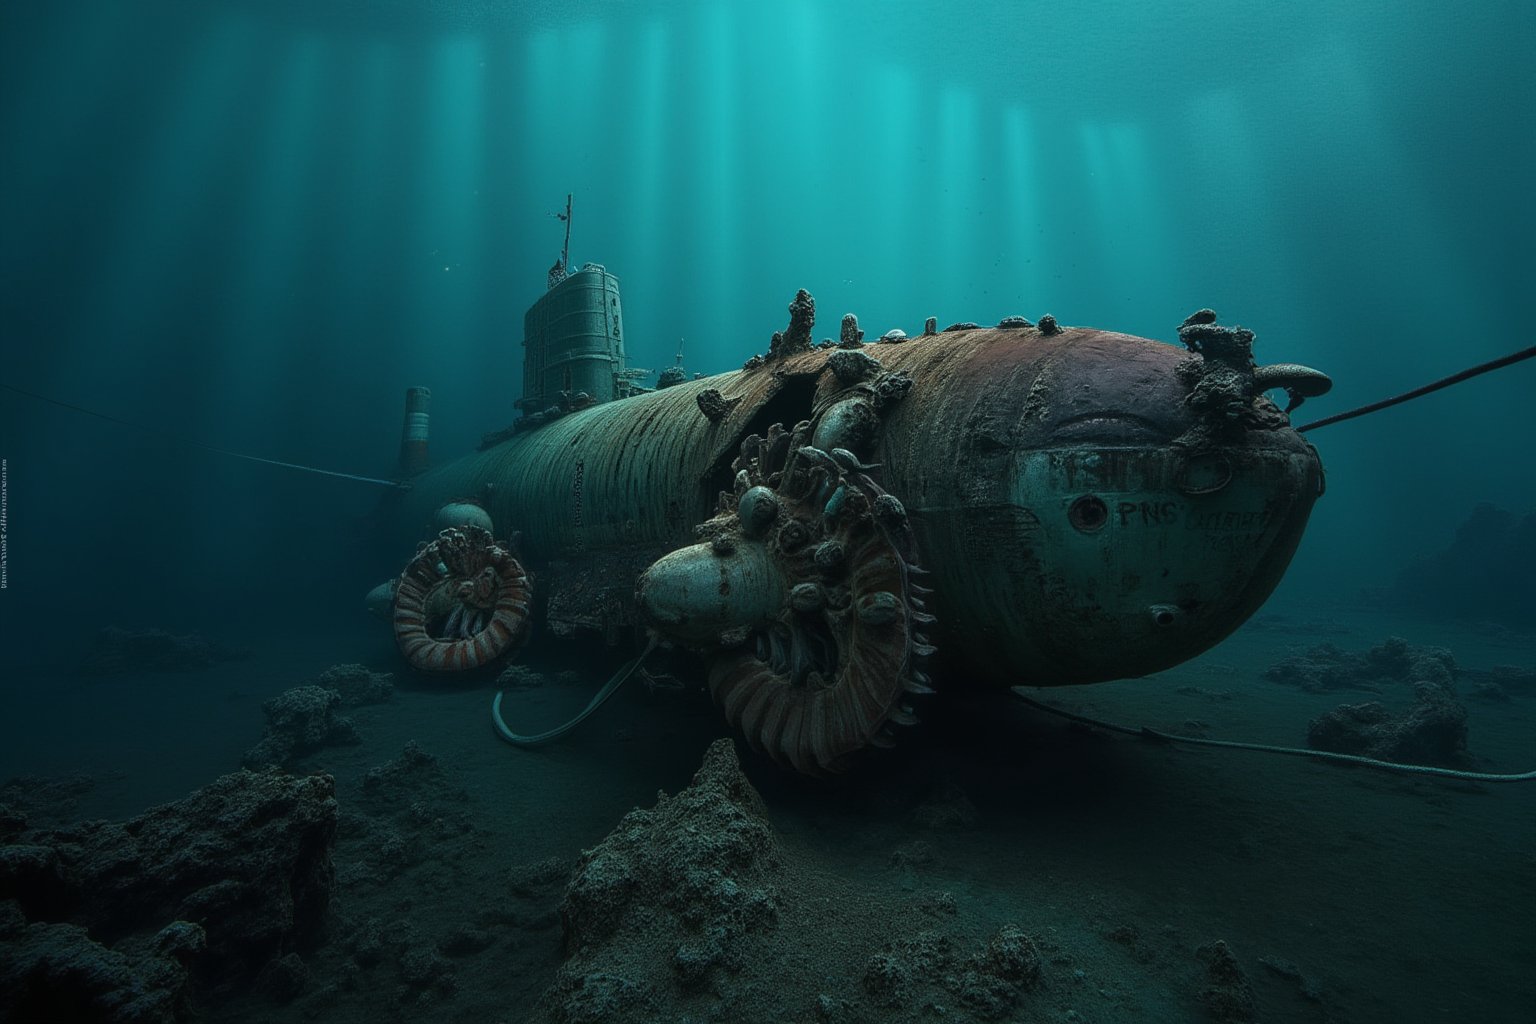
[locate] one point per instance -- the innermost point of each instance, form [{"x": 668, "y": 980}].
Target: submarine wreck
[{"x": 838, "y": 524}]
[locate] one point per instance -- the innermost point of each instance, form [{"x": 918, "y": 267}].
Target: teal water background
[{"x": 255, "y": 224}]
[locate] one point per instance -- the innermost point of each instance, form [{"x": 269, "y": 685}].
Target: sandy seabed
[{"x": 1345, "y": 895}]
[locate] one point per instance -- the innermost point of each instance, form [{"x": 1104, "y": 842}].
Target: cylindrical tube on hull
[{"x": 413, "y": 434}]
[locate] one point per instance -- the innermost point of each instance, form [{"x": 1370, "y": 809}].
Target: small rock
[
  {"x": 916, "y": 854},
  {"x": 357, "y": 685},
  {"x": 423, "y": 968},
  {"x": 519, "y": 677},
  {"x": 949, "y": 809},
  {"x": 300, "y": 721},
  {"x": 465, "y": 940},
  {"x": 181, "y": 939},
  {"x": 1227, "y": 997},
  {"x": 527, "y": 879},
  {"x": 283, "y": 979}
]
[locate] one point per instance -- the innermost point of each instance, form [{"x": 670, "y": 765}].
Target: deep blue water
[{"x": 252, "y": 225}]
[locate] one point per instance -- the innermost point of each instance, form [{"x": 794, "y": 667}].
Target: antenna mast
[{"x": 565, "y": 252}]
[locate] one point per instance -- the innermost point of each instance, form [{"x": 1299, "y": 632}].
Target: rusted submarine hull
[
  {"x": 1005, "y": 434},
  {"x": 1077, "y": 516}
]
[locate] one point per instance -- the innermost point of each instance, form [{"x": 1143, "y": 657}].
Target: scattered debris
[{"x": 988, "y": 983}]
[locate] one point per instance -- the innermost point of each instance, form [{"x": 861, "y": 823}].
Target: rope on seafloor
[
  {"x": 1322, "y": 755},
  {"x": 598, "y": 700},
  {"x": 1443, "y": 382},
  {"x": 205, "y": 447}
]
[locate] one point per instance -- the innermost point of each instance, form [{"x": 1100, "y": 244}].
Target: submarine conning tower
[{"x": 573, "y": 341}]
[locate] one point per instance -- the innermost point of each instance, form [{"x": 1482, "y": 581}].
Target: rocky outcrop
[
  {"x": 300, "y": 721},
  {"x": 674, "y": 896},
  {"x": 1433, "y": 730},
  {"x": 694, "y": 910},
  {"x": 706, "y": 858},
  {"x": 223, "y": 882},
  {"x": 1394, "y": 661},
  {"x": 57, "y": 972}
]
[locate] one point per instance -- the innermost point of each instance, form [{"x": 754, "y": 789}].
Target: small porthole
[{"x": 1088, "y": 513}]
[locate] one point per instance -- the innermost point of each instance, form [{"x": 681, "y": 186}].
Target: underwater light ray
[
  {"x": 1386, "y": 218},
  {"x": 1242, "y": 195},
  {"x": 371, "y": 89},
  {"x": 59, "y": 84},
  {"x": 1140, "y": 202},
  {"x": 1408, "y": 239},
  {"x": 574, "y": 127},
  {"x": 139, "y": 257},
  {"x": 642, "y": 193},
  {"x": 546, "y": 172},
  {"x": 1110, "y": 239},
  {"x": 448, "y": 302},
  {"x": 792, "y": 139},
  {"x": 408, "y": 265},
  {"x": 715, "y": 226},
  {"x": 504, "y": 197},
  {"x": 335, "y": 310},
  {"x": 272, "y": 228},
  {"x": 1028, "y": 258},
  {"x": 956, "y": 203},
  {"x": 888, "y": 278}
]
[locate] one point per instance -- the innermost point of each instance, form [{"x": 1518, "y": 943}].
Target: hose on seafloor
[
  {"x": 598, "y": 700},
  {"x": 1322, "y": 755}
]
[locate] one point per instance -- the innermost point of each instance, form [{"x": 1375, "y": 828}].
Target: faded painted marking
[
  {"x": 1230, "y": 521},
  {"x": 1147, "y": 513}
]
